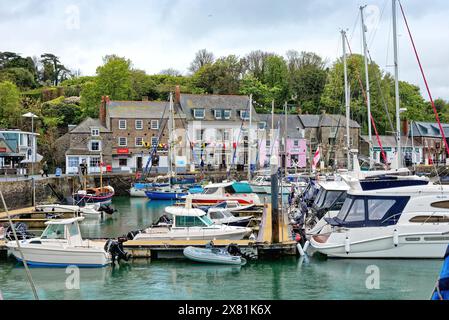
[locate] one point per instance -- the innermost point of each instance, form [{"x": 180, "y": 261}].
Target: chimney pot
[{"x": 177, "y": 94}]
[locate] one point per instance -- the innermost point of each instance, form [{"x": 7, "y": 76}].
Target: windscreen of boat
[
  {"x": 188, "y": 222},
  {"x": 210, "y": 190},
  {"x": 319, "y": 198},
  {"x": 54, "y": 231},
  {"x": 327, "y": 198},
  {"x": 370, "y": 211}
]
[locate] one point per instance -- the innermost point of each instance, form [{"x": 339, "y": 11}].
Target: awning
[{"x": 38, "y": 159}]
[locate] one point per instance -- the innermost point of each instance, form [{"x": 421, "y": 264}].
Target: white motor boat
[
  {"x": 61, "y": 245},
  {"x": 262, "y": 184},
  {"x": 224, "y": 216},
  {"x": 92, "y": 209},
  {"x": 217, "y": 193},
  {"x": 404, "y": 222},
  {"x": 190, "y": 224}
]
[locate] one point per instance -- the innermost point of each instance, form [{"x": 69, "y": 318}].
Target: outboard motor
[
  {"x": 234, "y": 249},
  {"x": 132, "y": 234},
  {"x": 21, "y": 231},
  {"x": 106, "y": 208},
  {"x": 115, "y": 248}
]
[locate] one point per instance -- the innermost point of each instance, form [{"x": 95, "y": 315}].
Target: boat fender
[
  {"x": 347, "y": 245},
  {"x": 306, "y": 246},
  {"x": 396, "y": 238},
  {"x": 300, "y": 250}
]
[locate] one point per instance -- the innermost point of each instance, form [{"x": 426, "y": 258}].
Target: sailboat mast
[
  {"x": 249, "y": 135},
  {"x": 368, "y": 89},
  {"x": 396, "y": 84},
  {"x": 285, "y": 138},
  {"x": 347, "y": 101},
  {"x": 170, "y": 140}
]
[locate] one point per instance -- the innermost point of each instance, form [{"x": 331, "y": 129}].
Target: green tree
[
  {"x": 202, "y": 58},
  {"x": 54, "y": 70},
  {"x": 276, "y": 76},
  {"x": 9, "y": 104},
  {"x": 22, "y": 77},
  {"x": 114, "y": 78},
  {"x": 90, "y": 99},
  {"x": 262, "y": 94}
]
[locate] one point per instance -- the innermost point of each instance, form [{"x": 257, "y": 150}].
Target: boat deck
[{"x": 17, "y": 212}]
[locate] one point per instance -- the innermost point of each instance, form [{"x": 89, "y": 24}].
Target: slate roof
[
  {"x": 87, "y": 124},
  {"x": 189, "y": 102},
  {"x": 428, "y": 130},
  {"x": 139, "y": 109},
  {"x": 325, "y": 120},
  {"x": 293, "y": 124},
  {"x": 390, "y": 141}
]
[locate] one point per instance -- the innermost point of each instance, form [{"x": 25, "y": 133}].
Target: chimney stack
[
  {"x": 104, "y": 101},
  {"x": 177, "y": 95},
  {"x": 405, "y": 127}
]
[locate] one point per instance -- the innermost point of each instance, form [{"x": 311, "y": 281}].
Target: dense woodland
[{"x": 307, "y": 82}]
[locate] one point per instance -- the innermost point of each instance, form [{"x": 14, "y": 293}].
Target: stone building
[{"x": 329, "y": 132}]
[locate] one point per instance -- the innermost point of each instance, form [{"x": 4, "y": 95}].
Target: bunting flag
[{"x": 316, "y": 159}]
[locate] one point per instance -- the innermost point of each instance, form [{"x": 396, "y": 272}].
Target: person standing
[{"x": 45, "y": 169}]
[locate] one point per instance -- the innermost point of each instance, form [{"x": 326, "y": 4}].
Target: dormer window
[
  {"x": 218, "y": 114},
  {"x": 198, "y": 113},
  {"x": 95, "y": 132},
  {"x": 262, "y": 125},
  {"x": 227, "y": 114},
  {"x": 244, "y": 114}
]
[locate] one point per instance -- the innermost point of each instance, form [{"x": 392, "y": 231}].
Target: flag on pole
[{"x": 316, "y": 159}]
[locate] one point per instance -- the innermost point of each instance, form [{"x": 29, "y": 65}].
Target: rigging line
[
  {"x": 371, "y": 115},
  {"x": 374, "y": 34},
  {"x": 356, "y": 23},
  {"x": 424, "y": 78},
  {"x": 25, "y": 264}
]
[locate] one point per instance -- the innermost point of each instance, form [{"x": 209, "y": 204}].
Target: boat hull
[
  {"x": 155, "y": 195},
  {"x": 85, "y": 199},
  {"x": 210, "y": 234},
  {"x": 60, "y": 257},
  {"x": 207, "y": 256}
]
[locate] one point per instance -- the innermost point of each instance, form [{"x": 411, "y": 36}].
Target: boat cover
[{"x": 442, "y": 288}]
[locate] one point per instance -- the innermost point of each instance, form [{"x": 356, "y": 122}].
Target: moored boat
[
  {"x": 217, "y": 193},
  {"x": 214, "y": 256},
  {"x": 94, "y": 195}
]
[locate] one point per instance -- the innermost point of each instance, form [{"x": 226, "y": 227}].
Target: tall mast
[
  {"x": 272, "y": 126},
  {"x": 285, "y": 138},
  {"x": 368, "y": 89},
  {"x": 249, "y": 135},
  {"x": 170, "y": 140},
  {"x": 396, "y": 84},
  {"x": 347, "y": 101}
]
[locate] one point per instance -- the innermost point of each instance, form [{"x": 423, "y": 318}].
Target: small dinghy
[{"x": 214, "y": 255}]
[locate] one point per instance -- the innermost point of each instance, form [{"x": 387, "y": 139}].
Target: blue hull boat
[{"x": 165, "y": 195}]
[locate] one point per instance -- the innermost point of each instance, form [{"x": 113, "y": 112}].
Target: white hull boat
[
  {"x": 222, "y": 192},
  {"x": 60, "y": 245},
  {"x": 399, "y": 223},
  {"x": 137, "y": 193},
  {"x": 214, "y": 256},
  {"x": 191, "y": 224}
]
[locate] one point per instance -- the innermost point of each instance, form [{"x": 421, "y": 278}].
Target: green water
[{"x": 289, "y": 278}]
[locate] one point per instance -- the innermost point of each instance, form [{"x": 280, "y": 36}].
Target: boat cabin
[
  {"x": 220, "y": 189},
  {"x": 188, "y": 217},
  {"x": 64, "y": 229},
  {"x": 370, "y": 211},
  {"x": 331, "y": 196}
]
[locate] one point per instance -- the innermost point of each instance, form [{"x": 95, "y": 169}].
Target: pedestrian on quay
[{"x": 45, "y": 169}]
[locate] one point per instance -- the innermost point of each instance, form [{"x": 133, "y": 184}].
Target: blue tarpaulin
[{"x": 442, "y": 289}]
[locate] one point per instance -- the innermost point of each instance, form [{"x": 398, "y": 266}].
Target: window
[
  {"x": 226, "y": 135},
  {"x": 54, "y": 231},
  {"x": 244, "y": 114},
  {"x": 357, "y": 212},
  {"x": 296, "y": 143},
  {"x": 123, "y": 162},
  {"x": 199, "y": 135},
  {"x": 262, "y": 125},
  {"x": 154, "y": 141},
  {"x": 122, "y": 142},
  {"x": 210, "y": 190},
  {"x": 95, "y": 132},
  {"x": 198, "y": 113},
  {"x": 377, "y": 209},
  {"x": 73, "y": 162},
  {"x": 139, "y": 124},
  {"x": 185, "y": 221},
  {"x": 122, "y": 124},
  {"x": 227, "y": 114},
  {"x": 95, "y": 145},
  {"x": 139, "y": 142},
  {"x": 218, "y": 114},
  {"x": 73, "y": 230},
  {"x": 94, "y": 162},
  {"x": 154, "y": 124},
  {"x": 216, "y": 215}
]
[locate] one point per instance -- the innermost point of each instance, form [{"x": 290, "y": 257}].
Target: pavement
[{"x": 23, "y": 178}]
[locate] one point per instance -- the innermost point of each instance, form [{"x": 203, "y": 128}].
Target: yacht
[
  {"x": 217, "y": 193},
  {"x": 189, "y": 224},
  {"x": 61, "y": 245},
  {"x": 262, "y": 184},
  {"x": 403, "y": 222}
]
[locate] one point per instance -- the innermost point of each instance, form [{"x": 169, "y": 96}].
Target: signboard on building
[
  {"x": 123, "y": 151},
  {"x": 3, "y": 150}
]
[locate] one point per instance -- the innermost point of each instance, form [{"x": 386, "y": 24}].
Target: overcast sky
[{"x": 159, "y": 34}]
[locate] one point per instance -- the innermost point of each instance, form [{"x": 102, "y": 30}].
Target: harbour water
[{"x": 288, "y": 278}]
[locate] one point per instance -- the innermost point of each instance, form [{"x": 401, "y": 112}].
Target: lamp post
[{"x": 33, "y": 152}]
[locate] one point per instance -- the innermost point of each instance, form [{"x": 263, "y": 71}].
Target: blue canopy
[{"x": 442, "y": 290}]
